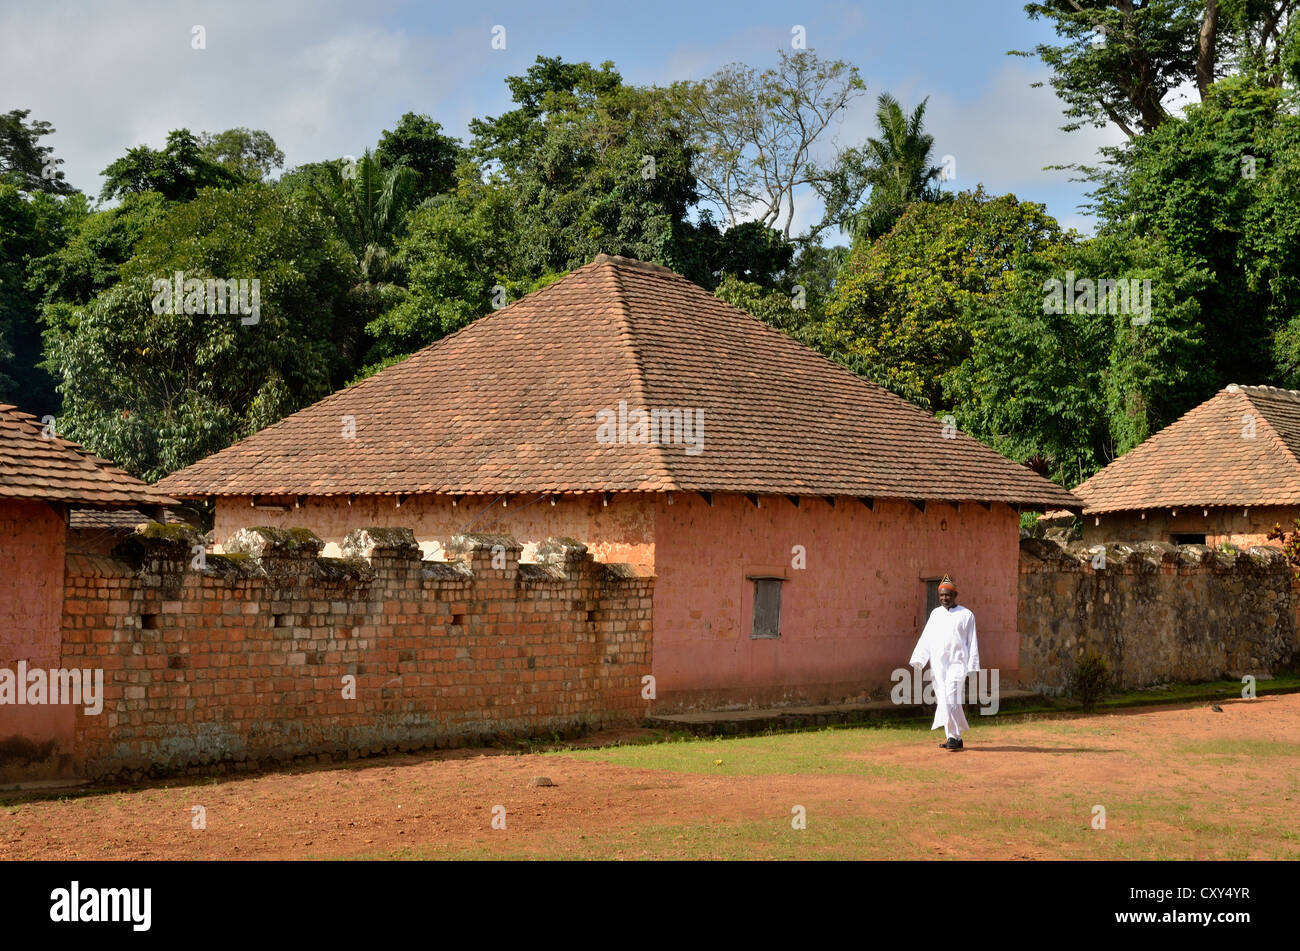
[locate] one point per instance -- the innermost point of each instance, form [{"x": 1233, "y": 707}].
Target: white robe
[{"x": 948, "y": 643}]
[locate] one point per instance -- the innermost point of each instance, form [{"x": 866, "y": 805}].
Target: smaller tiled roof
[
  {"x": 1239, "y": 448},
  {"x": 117, "y": 520},
  {"x": 52, "y": 469}
]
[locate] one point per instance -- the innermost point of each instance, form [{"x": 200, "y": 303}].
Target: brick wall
[
  {"x": 1159, "y": 612},
  {"x": 244, "y": 660}
]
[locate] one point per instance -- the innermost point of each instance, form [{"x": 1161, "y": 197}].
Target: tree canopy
[
  {"x": 1046, "y": 344},
  {"x": 176, "y": 172}
]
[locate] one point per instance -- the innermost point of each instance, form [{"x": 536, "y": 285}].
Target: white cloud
[
  {"x": 1007, "y": 134},
  {"x": 114, "y": 75}
]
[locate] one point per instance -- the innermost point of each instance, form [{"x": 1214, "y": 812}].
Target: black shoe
[
  {"x": 956, "y": 744},
  {"x": 944, "y": 744}
]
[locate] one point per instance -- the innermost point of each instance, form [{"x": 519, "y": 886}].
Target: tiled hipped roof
[
  {"x": 510, "y": 402},
  {"x": 53, "y": 469},
  {"x": 1209, "y": 457}
]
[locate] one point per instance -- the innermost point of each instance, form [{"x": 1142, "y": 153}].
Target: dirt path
[{"x": 1176, "y": 782}]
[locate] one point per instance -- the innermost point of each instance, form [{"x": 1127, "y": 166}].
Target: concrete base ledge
[{"x": 734, "y": 722}]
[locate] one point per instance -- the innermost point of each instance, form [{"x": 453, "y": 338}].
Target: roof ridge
[
  {"x": 784, "y": 339},
  {"x": 1235, "y": 387},
  {"x": 1277, "y": 437},
  {"x": 632, "y": 350},
  {"x": 619, "y": 260}
]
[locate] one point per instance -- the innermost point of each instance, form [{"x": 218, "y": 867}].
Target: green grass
[
  {"x": 839, "y": 751},
  {"x": 1239, "y": 749},
  {"x": 1179, "y": 693}
]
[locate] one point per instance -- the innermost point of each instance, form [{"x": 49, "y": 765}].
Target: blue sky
[{"x": 325, "y": 78}]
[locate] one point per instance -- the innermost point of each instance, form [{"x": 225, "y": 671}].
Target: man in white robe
[{"x": 948, "y": 644}]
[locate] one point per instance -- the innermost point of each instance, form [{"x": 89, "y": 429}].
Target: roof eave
[{"x": 1026, "y": 502}]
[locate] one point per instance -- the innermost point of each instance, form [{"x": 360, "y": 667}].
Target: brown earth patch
[{"x": 1020, "y": 790}]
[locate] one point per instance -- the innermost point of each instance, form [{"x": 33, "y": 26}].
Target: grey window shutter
[{"x": 767, "y": 607}]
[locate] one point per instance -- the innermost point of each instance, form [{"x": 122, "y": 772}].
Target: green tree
[
  {"x": 897, "y": 167},
  {"x": 97, "y": 243},
  {"x": 368, "y": 205},
  {"x": 157, "y": 391},
  {"x": 750, "y": 251},
  {"x": 1119, "y": 60},
  {"x": 177, "y": 172},
  {"x": 30, "y": 166},
  {"x": 250, "y": 153},
  {"x": 595, "y": 166},
  {"x": 418, "y": 143},
  {"x": 1216, "y": 189},
  {"x": 30, "y": 227},
  {"x": 456, "y": 250},
  {"x": 1078, "y": 386},
  {"x": 905, "y": 305}
]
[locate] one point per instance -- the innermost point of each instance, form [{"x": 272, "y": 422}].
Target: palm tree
[
  {"x": 899, "y": 168},
  {"x": 368, "y": 204}
]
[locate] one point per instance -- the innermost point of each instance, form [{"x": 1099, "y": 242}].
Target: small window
[
  {"x": 1188, "y": 538},
  {"x": 931, "y": 595},
  {"x": 767, "y": 607}
]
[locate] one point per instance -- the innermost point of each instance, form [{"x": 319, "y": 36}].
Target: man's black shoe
[{"x": 956, "y": 744}]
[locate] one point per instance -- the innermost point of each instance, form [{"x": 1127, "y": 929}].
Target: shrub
[{"x": 1090, "y": 678}]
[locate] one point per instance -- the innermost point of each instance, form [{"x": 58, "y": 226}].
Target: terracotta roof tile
[
  {"x": 510, "y": 402},
  {"x": 53, "y": 469},
  {"x": 115, "y": 519},
  {"x": 1208, "y": 457}
]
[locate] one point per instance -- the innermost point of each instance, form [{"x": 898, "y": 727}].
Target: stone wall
[
  {"x": 249, "y": 658},
  {"x": 1158, "y": 612}
]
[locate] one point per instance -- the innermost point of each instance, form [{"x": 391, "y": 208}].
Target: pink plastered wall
[
  {"x": 621, "y": 531},
  {"x": 33, "y": 546},
  {"x": 849, "y": 617}
]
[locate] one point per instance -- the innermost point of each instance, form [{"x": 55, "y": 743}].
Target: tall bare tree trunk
[{"x": 1205, "y": 53}]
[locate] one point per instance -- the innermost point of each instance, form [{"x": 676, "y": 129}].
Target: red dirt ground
[{"x": 439, "y": 803}]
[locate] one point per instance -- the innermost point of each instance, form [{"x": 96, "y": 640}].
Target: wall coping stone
[
  {"x": 1147, "y": 556},
  {"x": 561, "y": 551},
  {"x": 540, "y": 572},
  {"x": 469, "y": 542},
  {"x": 386, "y": 542},
  {"x": 262, "y": 541},
  {"x": 151, "y": 541},
  {"x": 446, "y": 571},
  {"x": 165, "y": 554}
]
